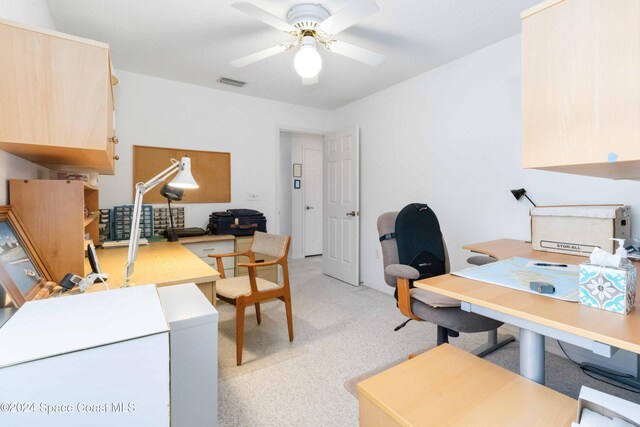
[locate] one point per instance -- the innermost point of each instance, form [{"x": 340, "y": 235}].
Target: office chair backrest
[
  {"x": 270, "y": 244},
  {"x": 420, "y": 240},
  {"x": 387, "y": 226}
]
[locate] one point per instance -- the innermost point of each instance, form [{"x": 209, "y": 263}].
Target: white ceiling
[{"x": 194, "y": 40}]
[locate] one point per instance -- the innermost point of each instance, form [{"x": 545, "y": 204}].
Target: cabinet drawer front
[
  {"x": 227, "y": 262},
  {"x": 202, "y": 250}
]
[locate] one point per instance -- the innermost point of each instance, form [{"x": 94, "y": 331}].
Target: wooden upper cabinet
[
  {"x": 56, "y": 99},
  {"x": 581, "y": 87}
]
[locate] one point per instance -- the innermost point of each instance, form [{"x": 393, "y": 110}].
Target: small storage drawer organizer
[
  {"x": 162, "y": 221},
  {"x": 122, "y": 221}
]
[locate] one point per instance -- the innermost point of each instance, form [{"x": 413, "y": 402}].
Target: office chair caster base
[{"x": 494, "y": 343}]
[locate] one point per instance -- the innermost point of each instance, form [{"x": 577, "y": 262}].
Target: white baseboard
[{"x": 382, "y": 287}]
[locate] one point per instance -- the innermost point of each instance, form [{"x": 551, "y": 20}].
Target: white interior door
[
  {"x": 312, "y": 179},
  {"x": 341, "y": 243}
]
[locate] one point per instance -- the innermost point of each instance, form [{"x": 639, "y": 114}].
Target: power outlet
[{"x": 253, "y": 196}]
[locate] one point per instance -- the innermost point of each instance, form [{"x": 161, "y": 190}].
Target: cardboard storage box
[
  {"x": 577, "y": 230},
  {"x": 606, "y": 405}
]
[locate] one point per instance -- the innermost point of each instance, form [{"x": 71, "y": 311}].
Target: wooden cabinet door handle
[{"x": 116, "y": 157}]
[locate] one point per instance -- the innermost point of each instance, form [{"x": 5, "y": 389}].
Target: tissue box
[
  {"x": 577, "y": 230},
  {"x": 608, "y": 288},
  {"x": 607, "y": 405}
]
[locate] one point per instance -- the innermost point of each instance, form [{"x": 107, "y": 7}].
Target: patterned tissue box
[{"x": 608, "y": 288}]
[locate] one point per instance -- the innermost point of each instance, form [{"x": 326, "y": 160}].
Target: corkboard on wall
[{"x": 211, "y": 170}]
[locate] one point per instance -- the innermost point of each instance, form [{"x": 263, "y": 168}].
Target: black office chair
[{"x": 422, "y": 305}]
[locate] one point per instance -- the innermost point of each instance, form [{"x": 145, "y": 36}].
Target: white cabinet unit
[
  {"x": 194, "y": 355},
  {"x": 99, "y": 359}
]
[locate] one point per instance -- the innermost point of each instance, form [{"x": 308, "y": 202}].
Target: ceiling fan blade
[
  {"x": 262, "y": 15},
  {"x": 350, "y": 14},
  {"x": 311, "y": 81},
  {"x": 258, "y": 56},
  {"x": 361, "y": 54}
]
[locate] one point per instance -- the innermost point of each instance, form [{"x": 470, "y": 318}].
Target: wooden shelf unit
[{"x": 53, "y": 214}]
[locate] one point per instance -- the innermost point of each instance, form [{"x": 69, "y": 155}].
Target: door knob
[
  {"x": 309, "y": 207},
  {"x": 352, "y": 213}
]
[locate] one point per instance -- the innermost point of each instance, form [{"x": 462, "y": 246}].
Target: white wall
[
  {"x": 30, "y": 12},
  {"x": 451, "y": 138},
  {"x": 165, "y": 113},
  {"x": 36, "y": 13}
]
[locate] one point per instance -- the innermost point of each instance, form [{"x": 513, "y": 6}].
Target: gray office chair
[{"x": 422, "y": 305}]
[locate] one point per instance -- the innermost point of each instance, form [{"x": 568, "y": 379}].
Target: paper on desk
[{"x": 570, "y": 267}]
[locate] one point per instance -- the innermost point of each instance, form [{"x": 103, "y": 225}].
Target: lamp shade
[
  {"x": 518, "y": 193},
  {"x": 184, "y": 179}
]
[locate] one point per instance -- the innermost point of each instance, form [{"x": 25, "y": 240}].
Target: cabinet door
[
  {"x": 581, "y": 84},
  {"x": 53, "y": 108}
]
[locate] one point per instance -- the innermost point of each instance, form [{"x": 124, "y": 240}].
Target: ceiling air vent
[{"x": 227, "y": 81}]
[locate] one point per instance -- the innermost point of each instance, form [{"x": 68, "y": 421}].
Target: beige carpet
[
  {"x": 264, "y": 345},
  {"x": 341, "y": 332}
]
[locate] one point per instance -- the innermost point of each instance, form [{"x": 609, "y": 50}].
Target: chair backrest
[
  {"x": 387, "y": 225},
  {"x": 270, "y": 244}
]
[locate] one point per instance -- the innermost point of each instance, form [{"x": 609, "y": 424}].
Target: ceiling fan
[{"x": 312, "y": 26}]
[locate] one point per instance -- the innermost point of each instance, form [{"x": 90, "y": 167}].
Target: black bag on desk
[{"x": 238, "y": 222}]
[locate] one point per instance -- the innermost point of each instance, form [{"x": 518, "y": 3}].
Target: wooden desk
[
  {"x": 449, "y": 387},
  {"x": 162, "y": 263},
  {"x": 539, "y": 316}
]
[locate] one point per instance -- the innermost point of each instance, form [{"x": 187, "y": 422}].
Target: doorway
[{"x": 300, "y": 192}]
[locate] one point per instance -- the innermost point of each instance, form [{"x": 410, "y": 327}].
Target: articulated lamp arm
[{"x": 142, "y": 188}]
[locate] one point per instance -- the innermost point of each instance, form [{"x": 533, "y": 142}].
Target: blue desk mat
[{"x": 513, "y": 273}]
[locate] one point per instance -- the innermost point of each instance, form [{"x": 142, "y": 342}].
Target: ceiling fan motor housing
[{"x": 307, "y": 16}]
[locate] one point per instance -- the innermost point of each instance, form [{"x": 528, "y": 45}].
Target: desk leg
[{"x": 532, "y": 355}]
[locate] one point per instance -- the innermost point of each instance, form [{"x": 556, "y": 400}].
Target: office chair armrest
[
  {"x": 402, "y": 271},
  {"x": 258, "y": 264},
  {"x": 404, "y": 298}
]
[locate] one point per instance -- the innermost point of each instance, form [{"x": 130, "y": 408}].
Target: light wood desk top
[
  {"x": 449, "y": 387},
  {"x": 161, "y": 263},
  {"x": 618, "y": 330},
  {"x": 207, "y": 238}
]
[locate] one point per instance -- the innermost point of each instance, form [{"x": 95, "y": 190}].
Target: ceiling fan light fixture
[{"x": 307, "y": 61}]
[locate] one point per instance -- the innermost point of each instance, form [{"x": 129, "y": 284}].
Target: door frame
[{"x": 276, "y": 171}]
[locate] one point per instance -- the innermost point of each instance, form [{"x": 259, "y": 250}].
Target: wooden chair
[{"x": 242, "y": 291}]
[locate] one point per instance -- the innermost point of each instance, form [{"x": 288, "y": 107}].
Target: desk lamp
[
  {"x": 173, "y": 194},
  {"x": 183, "y": 179},
  {"x": 522, "y": 192}
]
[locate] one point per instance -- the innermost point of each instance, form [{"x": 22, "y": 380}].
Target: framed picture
[
  {"x": 23, "y": 276},
  {"x": 297, "y": 170}
]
